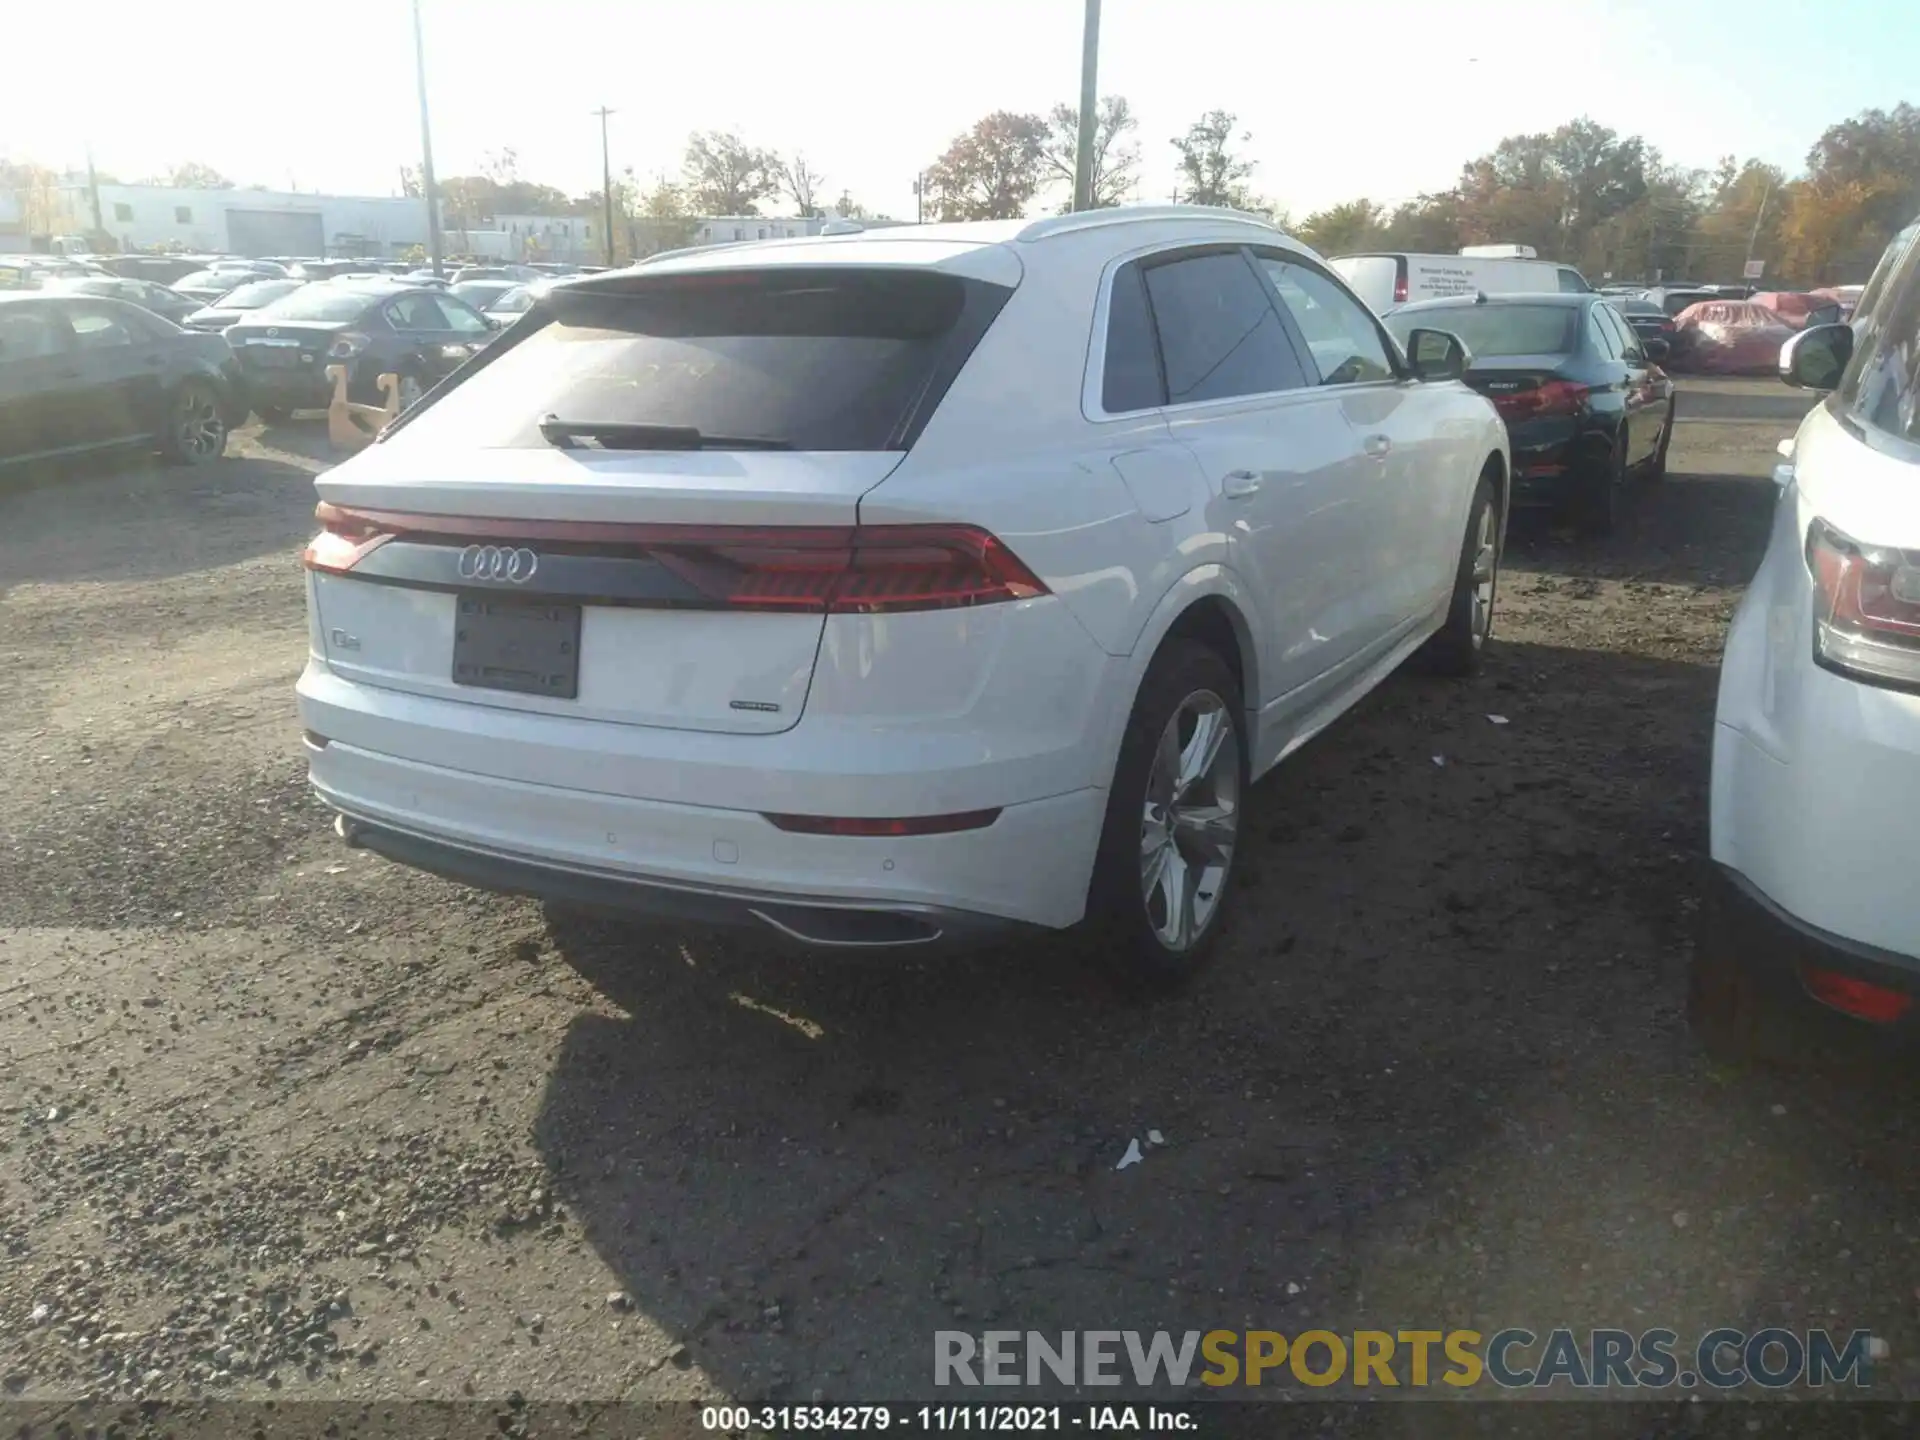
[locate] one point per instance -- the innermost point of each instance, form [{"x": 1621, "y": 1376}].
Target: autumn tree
[
  {"x": 1211, "y": 172},
  {"x": 727, "y": 176},
  {"x": 1342, "y": 229},
  {"x": 1863, "y": 184},
  {"x": 1116, "y": 153},
  {"x": 663, "y": 219},
  {"x": 992, "y": 171}
]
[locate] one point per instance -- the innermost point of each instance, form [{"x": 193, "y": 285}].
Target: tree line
[{"x": 1583, "y": 193}]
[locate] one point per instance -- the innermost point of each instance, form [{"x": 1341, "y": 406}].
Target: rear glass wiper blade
[{"x": 625, "y": 435}]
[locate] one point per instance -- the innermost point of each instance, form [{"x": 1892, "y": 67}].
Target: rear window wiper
[{"x": 622, "y": 435}]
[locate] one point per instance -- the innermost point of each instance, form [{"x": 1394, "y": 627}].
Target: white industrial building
[{"x": 251, "y": 222}]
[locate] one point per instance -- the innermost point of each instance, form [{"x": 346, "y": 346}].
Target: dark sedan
[
  {"x": 240, "y": 303},
  {"x": 84, "y": 372},
  {"x": 1648, "y": 320},
  {"x": 167, "y": 304},
  {"x": 1584, "y": 398},
  {"x": 373, "y": 327}
]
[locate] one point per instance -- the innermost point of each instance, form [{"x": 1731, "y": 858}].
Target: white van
[{"x": 1396, "y": 278}]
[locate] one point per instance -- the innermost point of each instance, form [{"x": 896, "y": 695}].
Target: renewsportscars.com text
[{"x": 1723, "y": 1359}]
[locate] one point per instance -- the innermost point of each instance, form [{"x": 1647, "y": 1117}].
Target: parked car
[
  {"x": 239, "y": 303},
  {"x": 86, "y": 372},
  {"x": 1816, "y": 741},
  {"x": 1673, "y": 299},
  {"x": 428, "y": 278},
  {"x": 1845, "y": 296},
  {"x": 509, "y": 307},
  {"x": 207, "y": 286},
  {"x": 1648, "y": 320},
  {"x": 1728, "y": 337},
  {"x": 167, "y": 304},
  {"x": 159, "y": 269},
  {"x": 922, "y": 590},
  {"x": 1798, "y": 310},
  {"x": 257, "y": 267},
  {"x": 332, "y": 269},
  {"x": 373, "y": 326},
  {"x": 519, "y": 274},
  {"x": 481, "y": 294},
  {"x": 1386, "y": 281},
  {"x": 1585, "y": 401}
]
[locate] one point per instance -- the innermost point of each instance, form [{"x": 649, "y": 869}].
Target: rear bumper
[
  {"x": 1779, "y": 950},
  {"x": 1030, "y": 866},
  {"x": 302, "y": 389},
  {"x": 815, "y": 921}
]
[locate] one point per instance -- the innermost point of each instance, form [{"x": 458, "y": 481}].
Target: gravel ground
[{"x": 280, "y": 1118}]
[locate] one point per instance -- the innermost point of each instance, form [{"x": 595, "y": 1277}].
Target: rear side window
[
  {"x": 1572, "y": 282},
  {"x": 1220, "y": 336},
  {"x": 813, "y": 358},
  {"x": 1131, "y": 379},
  {"x": 1881, "y": 389},
  {"x": 1604, "y": 334}
]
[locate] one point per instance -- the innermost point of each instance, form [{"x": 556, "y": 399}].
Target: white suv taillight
[{"x": 1866, "y": 615}]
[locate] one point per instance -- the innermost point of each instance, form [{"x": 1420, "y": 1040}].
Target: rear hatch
[{"x": 643, "y": 508}]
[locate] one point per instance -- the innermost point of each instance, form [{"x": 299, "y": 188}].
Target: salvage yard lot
[{"x": 275, "y": 1116}]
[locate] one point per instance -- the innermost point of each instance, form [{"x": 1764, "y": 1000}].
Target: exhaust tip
[
  {"x": 847, "y": 929},
  {"x": 347, "y": 830}
]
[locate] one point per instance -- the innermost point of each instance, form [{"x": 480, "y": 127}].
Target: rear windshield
[
  {"x": 261, "y": 292},
  {"x": 1496, "y": 330},
  {"x": 322, "y": 301},
  {"x": 1674, "y": 301},
  {"x": 815, "y": 359}
]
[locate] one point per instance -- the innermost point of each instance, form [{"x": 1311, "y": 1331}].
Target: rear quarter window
[{"x": 813, "y": 358}]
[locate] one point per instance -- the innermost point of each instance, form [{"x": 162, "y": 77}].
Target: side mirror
[
  {"x": 1437, "y": 355},
  {"x": 1656, "y": 349},
  {"x": 493, "y": 322},
  {"x": 1817, "y": 357}
]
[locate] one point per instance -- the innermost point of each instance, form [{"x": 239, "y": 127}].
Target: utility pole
[
  {"x": 606, "y": 180},
  {"x": 428, "y": 191},
  {"x": 1761, "y": 214},
  {"x": 920, "y": 198},
  {"x": 93, "y": 194},
  {"x": 1089, "y": 105}
]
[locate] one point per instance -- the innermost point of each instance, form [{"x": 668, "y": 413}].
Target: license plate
[
  {"x": 274, "y": 359},
  {"x": 526, "y": 646}
]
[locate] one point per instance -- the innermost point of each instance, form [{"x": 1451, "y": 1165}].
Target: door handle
[
  {"x": 1377, "y": 446},
  {"x": 1238, "y": 484}
]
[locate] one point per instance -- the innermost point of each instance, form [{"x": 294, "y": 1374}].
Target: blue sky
[{"x": 1377, "y": 97}]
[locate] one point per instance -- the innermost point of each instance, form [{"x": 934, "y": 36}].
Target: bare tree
[
  {"x": 803, "y": 183},
  {"x": 1116, "y": 156},
  {"x": 1212, "y": 173}
]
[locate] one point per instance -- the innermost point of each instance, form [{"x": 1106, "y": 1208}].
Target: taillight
[
  {"x": 1860, "y": 998},
  {"x": 1399, "y": 282},
  {"x": 867, "y": 569},
  {"x": 1866, "y": 608},
  {"x": 1556, "y": 397},
  {"x": 345, "y": 539},
  {"x": 346, "y": 346}
]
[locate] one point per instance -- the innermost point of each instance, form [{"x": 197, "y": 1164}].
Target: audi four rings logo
[{"x": 496, "y": 562}]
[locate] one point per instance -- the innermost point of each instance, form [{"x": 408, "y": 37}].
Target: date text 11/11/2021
[{"x": 946, "y": 1418}]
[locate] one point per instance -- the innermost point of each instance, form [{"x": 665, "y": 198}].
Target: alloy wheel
[
  {"x": 1191, "y": 820},
  {"x": 1486, "y": 565},
  {"x": 202, "y": 432}
]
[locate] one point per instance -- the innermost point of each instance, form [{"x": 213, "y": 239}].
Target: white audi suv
[
  {"x": 1816, "y": 740},
  {"x": 884, "y": 587}
]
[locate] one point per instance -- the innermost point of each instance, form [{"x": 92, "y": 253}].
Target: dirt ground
[{"x": 280, "y": 1118}]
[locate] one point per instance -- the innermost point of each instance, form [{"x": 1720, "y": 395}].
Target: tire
[
  {"x": 1657, "y": 467},
  {"x": 196, "y": 432},
  {"x": 1602, "y": 491},
  {"x": 272, "y": 414},
  {"x": 1166, "y": 843},
  {"x": 1459, "y": 646}
]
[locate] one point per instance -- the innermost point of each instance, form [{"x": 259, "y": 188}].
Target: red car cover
[
  {"x": 1795, "y": 308},
  {"x": 1729, "y": 337}
]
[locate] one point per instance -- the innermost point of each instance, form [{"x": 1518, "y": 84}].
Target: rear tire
[
  {"x": 1601, "y": 494},
  {"x": 1459, "y": 646},
  {"x": 1163, "y": 876},
  {"x": 196, "y": 432}
]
